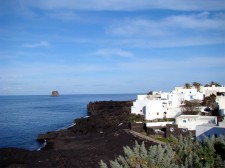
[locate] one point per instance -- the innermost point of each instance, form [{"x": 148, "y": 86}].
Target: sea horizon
[{"x": 71, "y": 94}]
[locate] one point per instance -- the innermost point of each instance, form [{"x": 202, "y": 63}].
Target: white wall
[
  {"x": 221, "y": 101},
  {"x": 174, "y": 112},
  {"x": 190, "y": 121},
  {"x": 141, "y": 97},
  {"x": 138, "y": 107},
  {"x": 154, "y": 110},
  {"x": 155, "y": 124},
  {"x": 164, "y": 105},
  {"x": 189, "y": 94},
  {"x": 213, "y": 89}
]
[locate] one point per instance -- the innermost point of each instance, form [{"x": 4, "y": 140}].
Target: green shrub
[
  {"x": 184, "y": 153},
  {"x": 134, "y": 117}
]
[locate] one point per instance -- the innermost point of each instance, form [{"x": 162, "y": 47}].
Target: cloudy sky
[{"x": 113, "y": 46}]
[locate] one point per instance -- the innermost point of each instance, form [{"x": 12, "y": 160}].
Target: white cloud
[
  {"x": 186, "y": 5},
  {"x": 154, "y": 64},
  {"x": 198, "y": 21},
  {"x": 111, "y": 52},
  {"x": 43, "y": 43},
  {"x": 168, "y": 26},
  {"x": 170, "y": 42},
  {"x": 64, "y": 15},
  {"x": 173, "y": 31}
]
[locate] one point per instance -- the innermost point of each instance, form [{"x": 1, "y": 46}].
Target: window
[
  {"x": 184, "y": 121},
  {"x": 171, "y": 129},
  {"x": 157, "y": 113}
]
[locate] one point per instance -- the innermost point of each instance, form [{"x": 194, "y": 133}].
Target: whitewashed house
[
  {"x": 189, "y": 94},
  {"x": 207, "y": 91},
  {"x": 139, "y": 105},
  {"x": 168, "y": 104},
  {"x": 163, "y": 108},
  {"x": 191, "y": 121},
  {"x": 158, "y": 105},
  {"x": 221, "y": 102}
]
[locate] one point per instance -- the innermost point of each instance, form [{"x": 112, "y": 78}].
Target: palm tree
[
  {"x": 207, "y": 85},
  {"x": 187, "y": 86},
  {"x": 215, "y": 83},
  {"x": 197, "y": 85}
]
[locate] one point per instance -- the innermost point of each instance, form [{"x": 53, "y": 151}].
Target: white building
[
  {"x": 189, "y": 94},
  {"x": 191, "y": 121},
  {"x": 221, "y": 102},
  {"x": 165, "y": 104},
  {"x": 158, "y": 105},
  {"x": 207, "y": 91},
  {"x": 161, "y": 109}
]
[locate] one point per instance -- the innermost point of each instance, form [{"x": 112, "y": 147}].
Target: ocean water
[{"x": 22, "y": 118}]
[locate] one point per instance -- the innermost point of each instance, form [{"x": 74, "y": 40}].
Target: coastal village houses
[{"x": 168, "y": 105}]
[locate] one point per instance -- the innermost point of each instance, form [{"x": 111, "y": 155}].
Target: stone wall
[
  {"x": 156, "y": 131},
  {"x": 172, "y": 129},
  {"x": 138, "y": 127}
]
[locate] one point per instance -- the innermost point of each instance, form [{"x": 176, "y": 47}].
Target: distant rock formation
[{"x": 55, "y": 93}]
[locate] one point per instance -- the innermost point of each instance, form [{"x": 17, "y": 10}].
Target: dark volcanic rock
[
  {"x": 47, "y": 136},
  {"x": 98, "y": 137},
  {"x": 109, "y": 106},
  {"x": 104, "y": 115},
  {"x": 55, "y": 93}
]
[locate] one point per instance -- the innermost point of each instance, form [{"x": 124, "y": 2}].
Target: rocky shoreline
[{"x": 98, "y": 137}]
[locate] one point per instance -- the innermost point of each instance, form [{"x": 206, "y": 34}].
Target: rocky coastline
[{"x": 98, "y": 137}]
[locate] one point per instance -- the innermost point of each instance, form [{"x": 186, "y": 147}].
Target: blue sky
[{"x": 95, "y": 46}]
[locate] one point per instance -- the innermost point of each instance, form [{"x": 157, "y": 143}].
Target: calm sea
[{"x": 22, "y": 118}]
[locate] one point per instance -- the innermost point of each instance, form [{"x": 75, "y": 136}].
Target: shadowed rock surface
[
  {"x": 55, "y": 93},
  {"x": 98, "y": 137}
]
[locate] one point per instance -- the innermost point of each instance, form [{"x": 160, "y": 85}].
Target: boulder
[
  {"x": 47, "y": 136},
  {"x": 55, "y": 93}
]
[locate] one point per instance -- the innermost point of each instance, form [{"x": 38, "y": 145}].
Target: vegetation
[
  {"x": 182, "y": 152},
  {"x": 213, "y": 83},
  {"x": 187, "y": 86},
  {"x": 161, "y": 120},
  {"x": 150, "y": 93},
  {"x": 198, "y": 85},
  {"x": 191, "y": 107},
  {"x": 210, "y": 103},
  {"x": 135, "y": 118}
]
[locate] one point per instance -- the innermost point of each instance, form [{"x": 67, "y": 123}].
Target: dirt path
[{"x": 137, "y": 134}]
